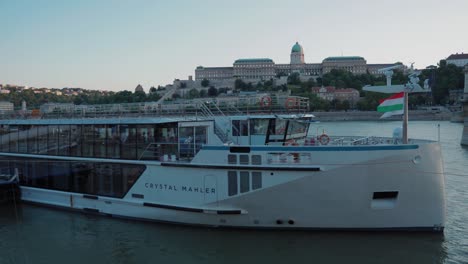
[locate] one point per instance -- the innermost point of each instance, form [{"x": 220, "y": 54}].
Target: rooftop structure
[{"x": 459, "y": 60}]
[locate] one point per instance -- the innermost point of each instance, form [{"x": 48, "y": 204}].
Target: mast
[{"x": 405, "y": 118}]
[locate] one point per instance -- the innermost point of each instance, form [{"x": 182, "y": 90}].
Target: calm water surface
[{"x": 31, "y": 234}]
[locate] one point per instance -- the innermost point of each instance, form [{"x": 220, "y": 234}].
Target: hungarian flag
[{"x": 392, "y": 105}]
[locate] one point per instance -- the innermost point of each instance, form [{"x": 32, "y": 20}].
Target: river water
[{"x": 32, "y": 234}]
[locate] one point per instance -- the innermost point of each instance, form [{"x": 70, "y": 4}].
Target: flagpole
[{"x": 405, "y": 118}]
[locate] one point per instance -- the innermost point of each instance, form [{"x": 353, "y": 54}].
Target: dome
[{"x": 296, "y": 48}]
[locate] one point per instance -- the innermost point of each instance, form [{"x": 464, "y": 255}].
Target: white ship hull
[{"x": 381, "y": 187}]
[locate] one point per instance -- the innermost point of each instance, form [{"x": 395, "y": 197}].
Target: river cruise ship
[{"x": 245, "y": 171}]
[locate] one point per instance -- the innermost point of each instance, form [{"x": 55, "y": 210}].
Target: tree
[
  {"x": 205, "y": 83},
  {"x": 193, "y": 93},
  {"x": 294, "y": 79},
  {"x": 239, "y": 84},
  {"x": 212, "y": 91},
  {"x": 442, "y": 79},
  {"x": 152, "y": 89},
  {"x": 139, "y": 96},
  {"x": 202, "y": 93},
  {"x": 152, "y": 97}
]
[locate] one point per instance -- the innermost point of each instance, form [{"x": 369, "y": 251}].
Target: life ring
[
  {"x": 265, "y": 101},
  {"x": 324, "y": 139},
  {"x": 290, "y": 103}
]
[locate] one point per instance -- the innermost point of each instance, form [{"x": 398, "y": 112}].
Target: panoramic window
[{"x": 105, "y": 179}]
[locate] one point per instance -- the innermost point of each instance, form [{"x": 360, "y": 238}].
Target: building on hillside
[
  {"x": 6, "y": 106},
  {"x": 347, "y": 94},
  {"x": 330, "y": 93},
  {"x": 353, "y": 64},
  {"x": 258, "y": 69},
  {"x": 213, "y": 73},
  {"x": 459, "y": 60},
  {"x": 325, "y": 93},
  {"x": 255, "y": 69}
]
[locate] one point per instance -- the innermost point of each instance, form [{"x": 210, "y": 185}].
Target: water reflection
[{"x": 51, "y": 236}]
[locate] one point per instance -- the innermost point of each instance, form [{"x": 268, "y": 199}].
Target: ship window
[
  {"x": 113, "y": 142},
  {"x": 146, "y": 140},
  {"x": 385, "y": 195},
  {"x": 42, "y": 133},
  {"x": 232, "y": 159},
  {"x": 128, "y": 136},
  {"x": 384, "y": 200},
  {"x": 52, "y": 140},
  {"x": 100, "y": 141},
  {"x": 5, "y": 139},
  {"x": 23, "y": 138},
  {"x": 244, "y": 159},
  {"x": 87, "y": 140},
  {"x": 244, "y": 181},
  {"x": 256, "y": 180},
  {"x": 13, "y": 141},
  {"x": 232, "y": 183},
  {"x": 105, "y": 179},
  {"x": 186, "y": 142},
  {"x": 32, "y": 140},
  {"x": 258, "y": 126},
  {"x": 240, "y": 127},
  {"x": 200, "y": 137},
  {"x": 256, "y": 159},
  {"x": 235, "y": 127},
  {"x": 64, "y": 140},
  {"x": 75, "y": 140}
]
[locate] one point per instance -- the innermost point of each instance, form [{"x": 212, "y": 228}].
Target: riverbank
[{"x": 416, "y": 115}]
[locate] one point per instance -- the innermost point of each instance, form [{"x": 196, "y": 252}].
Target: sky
[{"x": 115, "y": 45}]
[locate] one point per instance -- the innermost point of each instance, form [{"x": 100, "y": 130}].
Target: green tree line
[{"x": 35, "y": 100}]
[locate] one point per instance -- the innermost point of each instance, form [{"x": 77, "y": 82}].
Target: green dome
[{"x": 296, "y": 48}]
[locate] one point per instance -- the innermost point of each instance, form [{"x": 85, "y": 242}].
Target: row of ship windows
[
  {"x": 103, "y": 141},
  {"x": 243, "y": 181},
  {"x": 244, "y": 159},
  {"x": 103, "y": 179}
]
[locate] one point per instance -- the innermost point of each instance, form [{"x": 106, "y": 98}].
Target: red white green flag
[{"x": 392, "y": 105}]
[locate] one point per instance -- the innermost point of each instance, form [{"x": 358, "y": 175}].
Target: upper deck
[{"x": 202, "y": 107}]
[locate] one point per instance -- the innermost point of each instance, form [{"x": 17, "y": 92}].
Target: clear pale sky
[{"x": 117, "y": 44}]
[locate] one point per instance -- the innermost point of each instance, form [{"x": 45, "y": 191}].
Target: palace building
[{"x": 258, "y": 69}]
